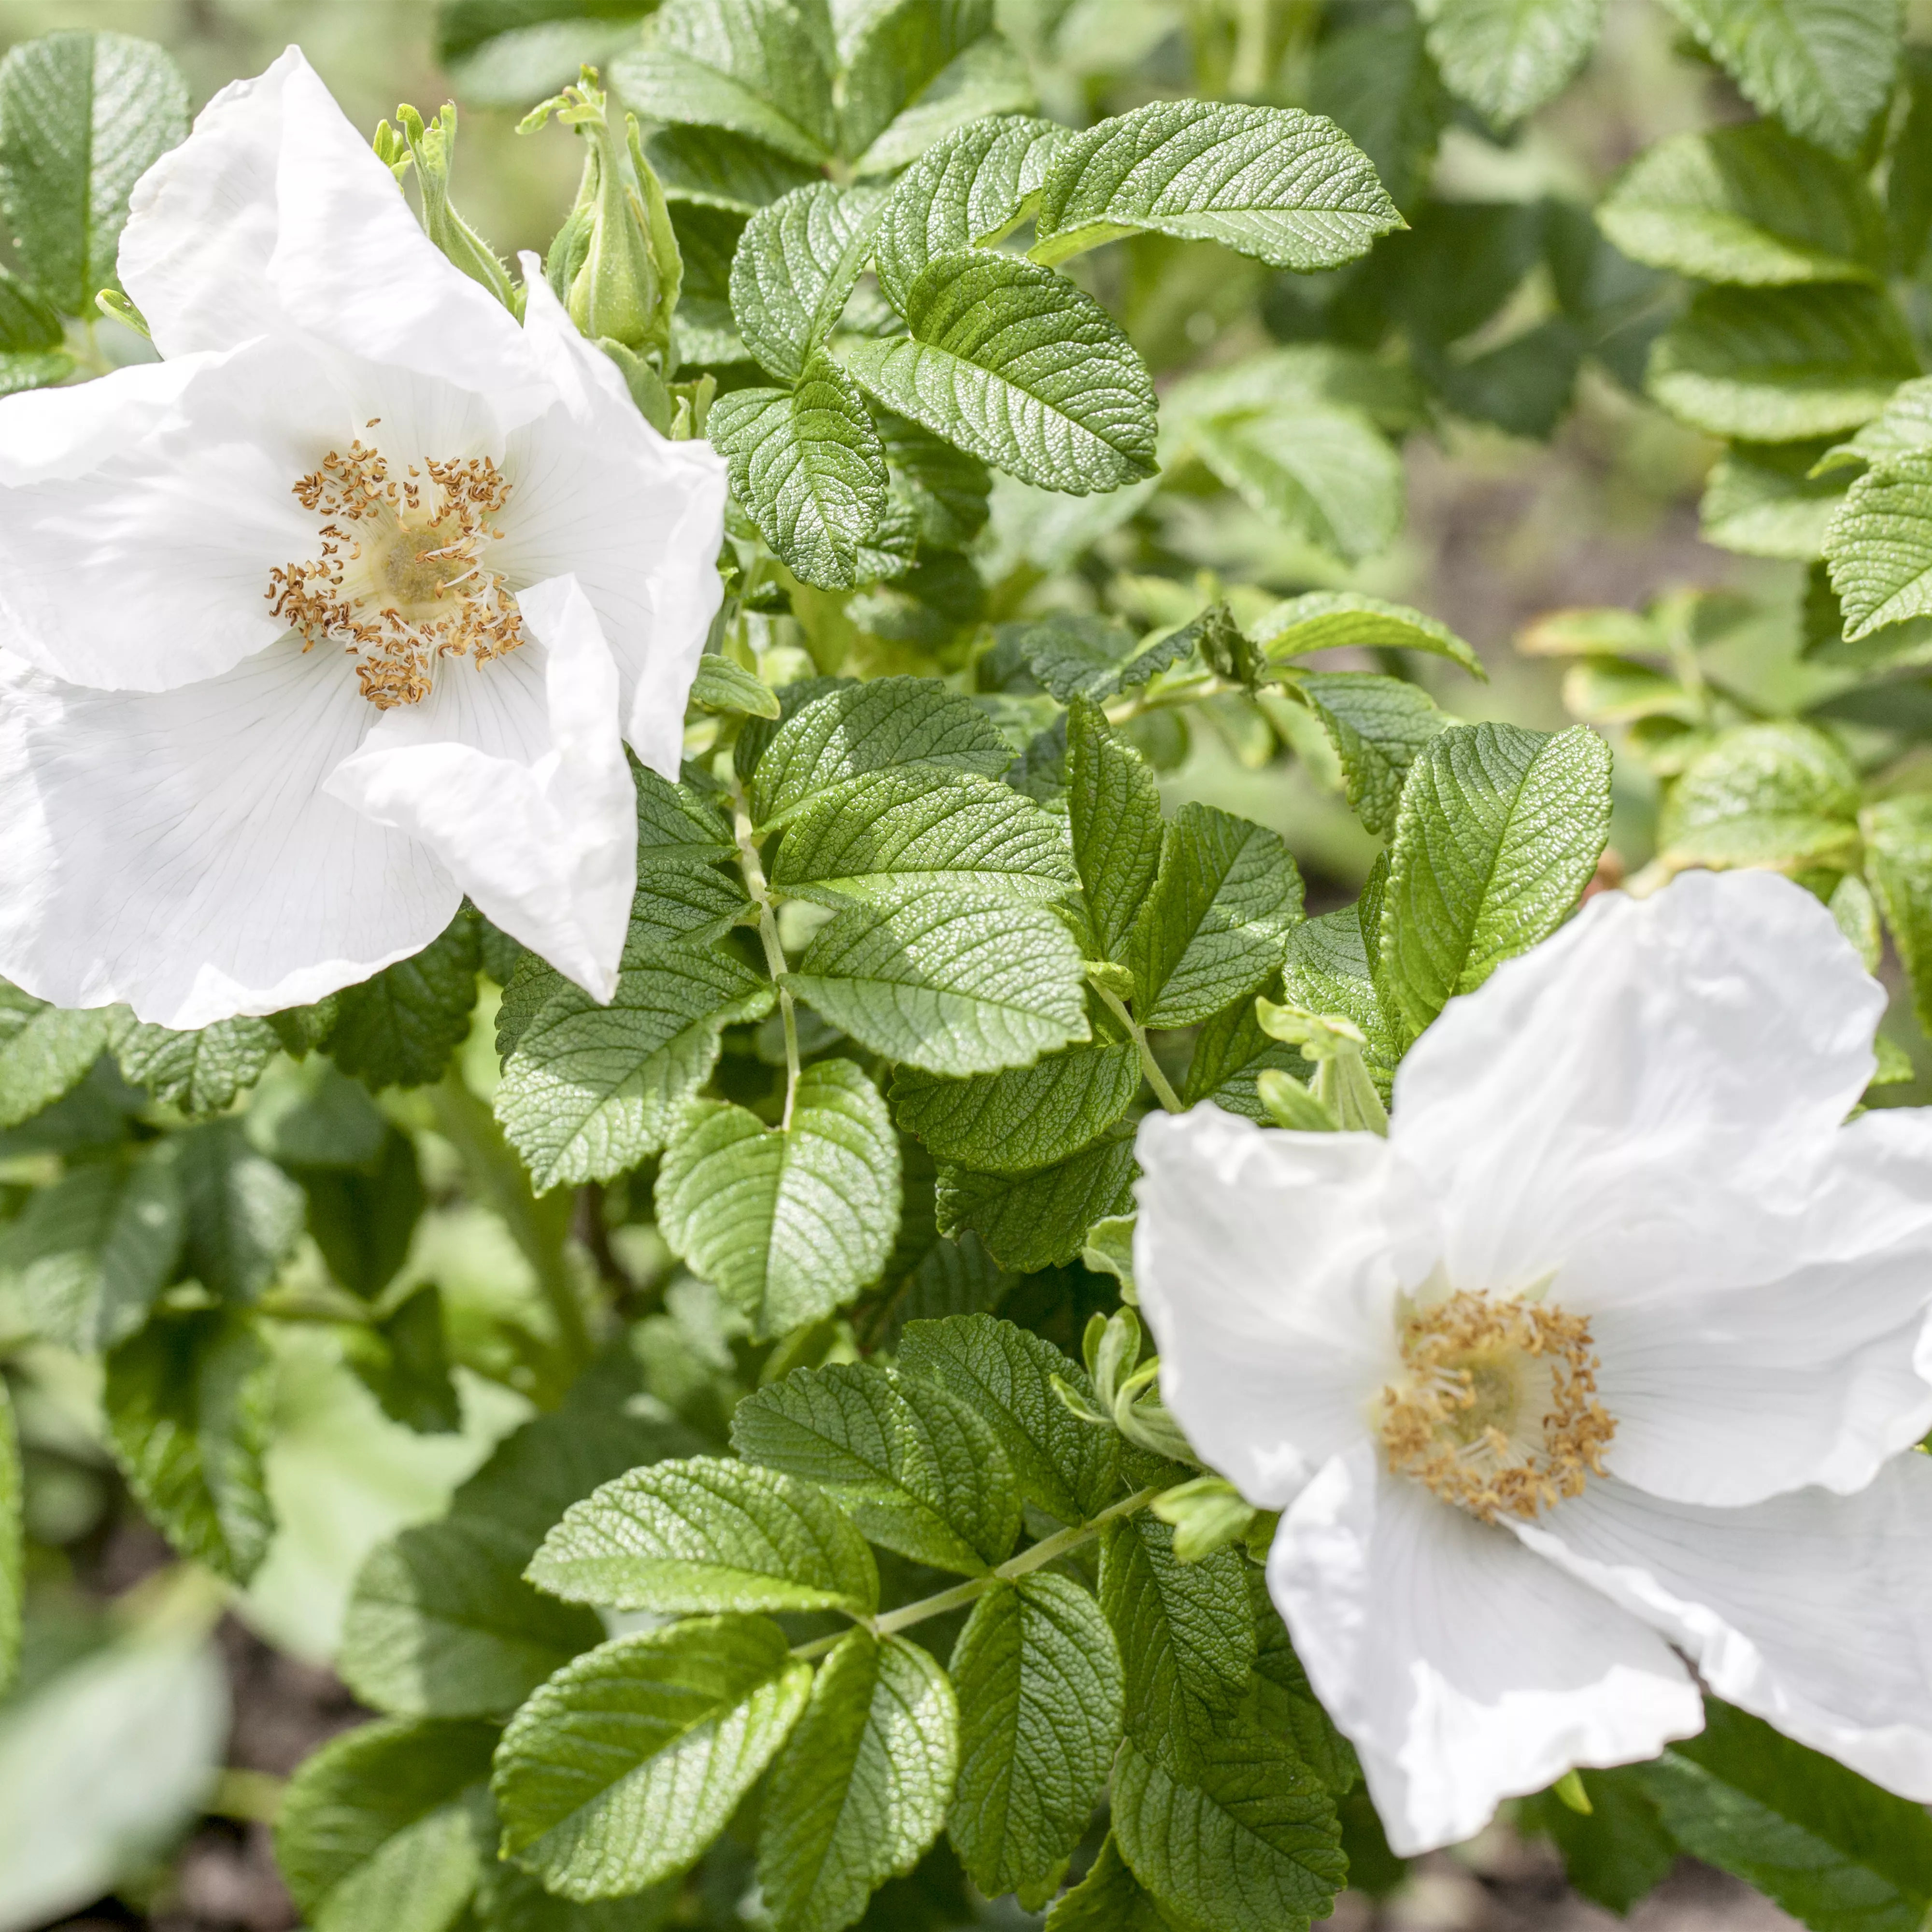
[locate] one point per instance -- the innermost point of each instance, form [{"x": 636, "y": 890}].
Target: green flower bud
[{"x": 429, "y": 146}]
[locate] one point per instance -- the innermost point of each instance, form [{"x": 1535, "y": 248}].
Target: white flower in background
[
  {"x": 339, "y": 612},
  {"x": 1606, "y": 1364}
]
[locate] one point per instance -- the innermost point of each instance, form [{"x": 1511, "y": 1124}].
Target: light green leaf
[
  {"x": 1780, "y": 793},
  {"x": 1109, "y": 1899},
  {"x": 1879, "y": 545},
  {"x": 627, "y": 1764},
  {"x": 1904, "y": 424},
  {"x": 991, "y": 76},
  {"x": 82, "y": 117},
  {"x": 399, "y": 1028},
  {"x": 718, "y": 169},
  {"x": 1039, "y": 1220},
  {"x": 757, "y": 67},
  {"x": 1012, "y": 363},
  {"x": 34, "y": 369},
  {"x": 1040, "y": 1691},
  {"x": 900, "y": 48},
  {"x": 860, "y": 1791},
  {"x": 1214, "y": 927},
  {"x": 1326, "y": 620},
  {"x": 375, "y": 1833},
  {"x": 795, "y": 264},
  {"x": 1508, "y": 57},
  {"x": 707, "y": 1534},
  {"x": 1076, "y": 655},
  {"x": 722, "y": 685},
  {"x": 200, "y": 1073},
  {"x": 913, "y": 1467},
  {"x": 1064, "y": 1465},
  {"x": 787, "y": 1223},
  {"x": 1010, "y": 1123},
  {"x": 1762, "y": 499},
  {"x": 895, "y": 835},
  {"x": 1824, "y": 67},
  {"x": 187, "y": 1401},
  {"x": 589, "y": 1091},
  {"x": 1773, "y": 365},
  {"x": 1245, "y": 1841},
  {"x": 1287, "y": 187},
  {"x": 244, "y": 1214},
  {"x": 45, "y": 1052},
  {"x": 808, "y": 467},
  {"x": 1748, "y": 205},
  {"x": 948, "y": 987},
  {"x": 1379, "y": 727},
  {"x": 1231, "y": 1051},
  {"x": 1331, "y": 968},
  {"x": 1114, "y": 807},
  {"x": 89, "y": 1254},
  {"x": 1898, "y": 838},
  {"x": 1499, "y": 831},
  {"x": 12, "y": 1551}
]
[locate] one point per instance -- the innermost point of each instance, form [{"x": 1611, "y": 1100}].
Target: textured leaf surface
[
  {"x": 399, "y": 1028},
  {"x": 893, "y": 52},
  {"x": 1039, "y": 1689},
  {"x": 990, "y": 76},
  {"x": 707, "y": 1534},
  {"x": 1763, "y": 794},
  {"x": 1898, "y": 836},
  {"x": 1114, "y": 807},
  {"x": 795, "y": 266},
  {"x": 1285, "y": 1703},
  {"x": 722, "y": 685},
  {"x": 1231, "y": 1050},
  {"x": 1011, "y": 362},
  {"x": 244, "y": 1214},
  {"x": 861, "y": 1789},
  {"x": 1499, "y": 831},
  {"x": 45, "y": 1052},
  {"x": 1287, "y": 187},
  {"x": 1879, "y": 545},
  {"x": 1379, "y": 726},
  {"x": 1040, "y": 1219},
  {"x": 913, "y": 1466},
  {"x": 627, "y": 1764},
  {"x": 1325, "y": 620},
  {"x": 1508, "y": 57},
  {"x": 789, "y": 1223},
  {"x": 1029, "y": 1117},
  {"x": 946, "y": 489},
  {"x": 199, "y": 1072},
  {"x": 1109, "y": 1899}
]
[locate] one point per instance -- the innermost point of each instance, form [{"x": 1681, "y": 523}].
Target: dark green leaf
[
  {"x": 363, "y": 1220},
  {"x": 1109, "y": 1899},
  {"x": 399, "y": 1028},
  {"x": 946, "y": 488},
  {"x": 244, "y": 1214},
  {"x": 405, "y": 1365},
  {"x": 1031, "y": 1117},
  {"x": 1114, "y": 806},
  {"x": 1231, "y": 1050},
  {"x": 1618, "y": 1852},
  {"x": 1040, "y": 1219}
]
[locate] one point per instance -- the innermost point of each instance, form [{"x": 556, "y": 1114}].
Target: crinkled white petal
[
  {"x": 149, "y": 568},
  {"x": 175, "y": 850},
  {"x": 275, "y": 215},
  {"x": 66, "y": 432},
  {"x": 1267, "y": 1265},
  {"x": 1813, "y": 1610},
  {"x": 636, "y": 518},
  {"x": 1463, "y": 1669},
  {"x": 513, "y": 773}
]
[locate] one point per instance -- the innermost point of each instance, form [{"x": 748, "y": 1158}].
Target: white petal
[
  {"x": 274, "y": 214},
  {"x": 176, "y": 850},
  {"x": 1813, "y": 1611},
  {"x": 638, "y": 519},
  {"x": 1267, "y": 1265},
  {"x": 513, "y": 773},
  {"x": 65, "y": 432},
  {"x": 1463, "y": 1669},
  {"x": 142, "y": 564}
]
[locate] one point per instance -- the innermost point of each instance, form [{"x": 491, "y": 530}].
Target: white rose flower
[
  {"x": 1606, "y": 1366},
  {"x": 341, "y": 611}
]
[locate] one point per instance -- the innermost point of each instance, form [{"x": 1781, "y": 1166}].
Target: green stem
[
  {"x": 760, "y": 889},
  {"x": 1163, "y": 1087},
  {"x": 1187, "y": 692}
]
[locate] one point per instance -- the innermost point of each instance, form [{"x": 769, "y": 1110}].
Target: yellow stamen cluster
[
  {"x": 400, "y": 581},
  {"x": 1498, "y": 1414}
]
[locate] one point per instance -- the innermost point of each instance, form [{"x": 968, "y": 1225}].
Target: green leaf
[
  {"x": 627, "y": 1764},
  {"x": 947, "y": 489},
  {"x": 35, "y": 369},
  {"x": 1898, "y": 841},
  {"x": 722, "y": 685},
  {"x": 1186, "y": 1633},
  {"x": 753, "y": 66},
  {"x": 89, "y": 1254},
  {"x": 187, "y": 1401},
  {"x": 1375, "y": 78},
  {"x": 1231, "y": 1051},
  {"x": 705, "y": 1534},
  {"x": 375, "y": 1833},
  {"x": 948, "y": 988},
  {"x": 787, "y": 1223},
  {"x": 1005, "y": 1373},
  {"x": 796, "y": 264},
  {"x": 913, "y": 1467},
  {"x": 28, "y": 326},
  {"x": 964, "y": 191},
  {"x": 1762, "y": 499},
  {"x": 808, "y": 465},
  {"x": 1040, "y": 1690},
  {"x": 1109, "y": 1899},
  {"x": 1379, "y": 727},
  {"x": 82, "y": 117},
  {"x": 1748, "y": 205},
  {"x": 1246, "y": 1840},
  {"x": 45, "y": 1052},
  {"x": 952, "y": 1278},
  {"x": 399, "y": 1028},
  {"x": 244, "y": 1214},
  {"x": 854, "y": 729},
  {"x": 1618, "y": 1852},
  {"x": 590, "y": 1090},
  {"x": 1075, "y": 655},
  {"x": 1326, "y": 620},
  {"x": 1284, "y": 1702},
  {"x": 718, "y": 169},
  {"x": 200, "y": 1073},
  {"x": 1011, "y": 362},
  {"x": 1287, "y": 187},
  {"x": 1216, "y": 922},
  {"x": 899, "y": 834},
  {"x": 1763, "y": 794},
  {"x": 1879, "y": 545},
  {"x": 1030, "y": 1117},
  {"x": 675, "y": 823},
  {"x": 1333, "y": 967},
  {"x": 1499, "y": 831},
  {"x": 441, "y": 1623},
  {"x": 1824, "y": 67},
  {"x": 1772, "y": 365},
  {"x": 900, "y": 48},
  {"x": 1040, "y": 1219},
  {"x": 860, "y": 1791},
  {"x": 1113, "y": 805},
  {"x": 1833, "y": 1850},
  {"x": 363, "y": 1221},
  {"x": 990, "y": 76},
  {"x": 1507, "y": 58},
  {"x": 13, "y": 1548},
  {"x": 404, "y": 1363}
]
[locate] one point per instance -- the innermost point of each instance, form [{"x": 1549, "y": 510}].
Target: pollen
[
  {"x": 400, "y": 579},
  {"x": 1498, "y": 1413}
]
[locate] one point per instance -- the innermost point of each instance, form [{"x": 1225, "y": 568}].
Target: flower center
[
  {"x": 1498, "y": 1413},
  {"x": 400, "y": 580}
]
